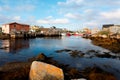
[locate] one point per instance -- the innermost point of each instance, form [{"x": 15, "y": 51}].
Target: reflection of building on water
[{"x": 15, "y": 45}]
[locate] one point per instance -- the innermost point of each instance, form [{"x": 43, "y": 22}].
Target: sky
[{"x": 70, "y": 14}]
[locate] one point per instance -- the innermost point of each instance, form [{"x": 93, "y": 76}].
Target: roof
[
  {"x": 15, "y": 23},
  {"x": 107, "y": 25}
]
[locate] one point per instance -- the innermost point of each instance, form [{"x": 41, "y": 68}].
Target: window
[{"x": 14, "y": 25}]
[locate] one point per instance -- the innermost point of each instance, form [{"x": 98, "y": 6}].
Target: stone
[
  {"x": 43, "y": 71},
  {"x": 79, "y": 79},
  {"x": 15, "y": 71},
  {"x": 99, "y": 74},
  {"x": 41, "y": 57}
]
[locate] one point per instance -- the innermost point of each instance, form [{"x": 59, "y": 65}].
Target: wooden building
[{"x": 15, "y": 28}]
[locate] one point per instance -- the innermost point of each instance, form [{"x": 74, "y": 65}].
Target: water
[{"x": 21, "y": 50}]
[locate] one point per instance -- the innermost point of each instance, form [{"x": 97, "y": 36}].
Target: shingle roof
[
  {"x": 15, "y": 23},
  {"x": 107, "y": 25}
]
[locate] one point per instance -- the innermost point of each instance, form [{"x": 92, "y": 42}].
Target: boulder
[{"x": 43, "y": 71}]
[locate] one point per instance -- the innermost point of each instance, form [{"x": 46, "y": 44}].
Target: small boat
[
  {"x": 68, "y": 34},
  {"x": 63, "y": 34}
]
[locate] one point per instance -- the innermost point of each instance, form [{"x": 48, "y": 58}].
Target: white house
[{"x": 114, "y": 29}]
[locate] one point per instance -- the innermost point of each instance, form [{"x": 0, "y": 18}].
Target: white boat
[{"x": 63, "y": 34}]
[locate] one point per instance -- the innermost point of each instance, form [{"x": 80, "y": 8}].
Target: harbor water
[{"x": 23, "y": 49}]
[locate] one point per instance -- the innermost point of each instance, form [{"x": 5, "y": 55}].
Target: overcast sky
[{"x": 70, "y": 14}]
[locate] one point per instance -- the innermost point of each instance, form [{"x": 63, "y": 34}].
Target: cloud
[
  {"x": 68, "y": 2},
  {"x": 71, "y": 3},
  {"x": 106, "y": 2},
  {"x": 61, "y": 21},
  {"x": 111, "y": 14},
  {"x": 88, "y": 11},
  {"x": 50, "y": 20},
  {"x": 13, "y": 6},
  {"x": 86, "y": 3},
  {"x": 16, "y": 18},
  {"x": 4, "y": 8},
  {"x": 4, "y": 19},
  {"x": 73, "y": 16},
  {"x": 49, "y": 17},
  {"x": 91, "y": 24},
  {"x": 78, "y": 12},
  {"x": 7, "y": 19},
  {"x": 103, "y": 17},
  {"x": 55, "y": 21},
  {"x": 109, "y": 17},
  {"x": 24, "y": 8}
]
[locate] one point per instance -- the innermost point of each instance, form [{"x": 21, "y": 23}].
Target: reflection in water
[
  {"x": 13, "y": 45},
  {"x": 59, "y": 37}
]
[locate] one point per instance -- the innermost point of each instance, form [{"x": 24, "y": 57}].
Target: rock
[
  {"x": 98, "y": 74},
  {"x": 104, "y": 36},
  {"x": 108, "y": 43},
  {"x": 43, "y": 71},
  {"x": 76, "y": 53},
  {"x": 40, "y": 57},
  {"x": 105, "y": 55},
  {"x": 15, "y": 71},
  {"x": 74, "y": 73},
  {"x": 79, "y": 79},
  {"x": 63, "y": 50}
]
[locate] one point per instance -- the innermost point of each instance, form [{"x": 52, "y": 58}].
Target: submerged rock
[
  {"x": 40, "y": 57},
  {"x": 43, "y": 71},
  {"x": 63, "y": 50},
  {"x": 76, "y": 53},
  {"x": 106, "y": 55}
]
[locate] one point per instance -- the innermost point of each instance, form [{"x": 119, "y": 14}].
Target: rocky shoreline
[
  {"x": 109, "y": 43},
  {"x": 20, "y": 70}
]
